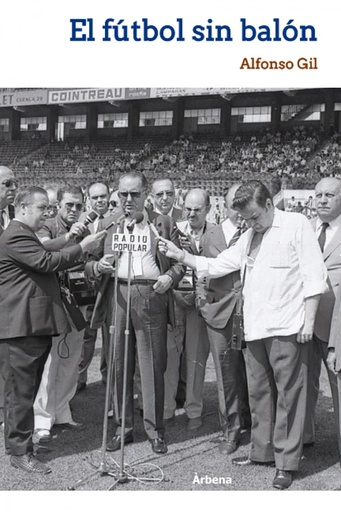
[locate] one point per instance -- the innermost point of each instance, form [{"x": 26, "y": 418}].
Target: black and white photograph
[{"x": 170, "y": 267}]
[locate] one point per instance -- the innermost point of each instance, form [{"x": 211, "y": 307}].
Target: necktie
[
  {"x": 2, "y": 219},
  {"x": 322, "y": 238},
  {"x": 235, "y": 237}
]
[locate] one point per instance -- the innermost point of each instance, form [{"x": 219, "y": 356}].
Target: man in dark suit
[
  {"x": 8, "y": 187},
  {"x": 217, "y": 303},
  {"x": 153, "y": 276},
  {"x": 98, "y": 199},
  {"x": 164, "y": 195},
  {"x": 327, "y": 226},
  {"x": 31, "y": 313}
]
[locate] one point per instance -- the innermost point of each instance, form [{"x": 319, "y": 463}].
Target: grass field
[{"x": 192, "y": 459}]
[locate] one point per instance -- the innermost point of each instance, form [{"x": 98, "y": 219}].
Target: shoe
[
  {"x": 282, "y": 480},
  {"x": 159, "y": 445},
  {"x": 28, "y": 462},
  {"x": 80, "y": 387},
  {"x": 246, "y": 461},
  {"x": 71, "y": 425},
  {"x": 115, "y": 443},
  {"x": 194, "y": 423},
  {"x": 228, "y": 447},
  {"x": 41, "y": 435}
]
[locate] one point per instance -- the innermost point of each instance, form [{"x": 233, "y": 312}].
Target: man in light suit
[
  {"x": 31, "y": 313},
  {"x": 327, "y": 227},
  {"x": 153, "y": 276},
  {"x": 189, "y": 335},
  {"x": 8, "y": 186},
  {"x": 217, "y": 302}
]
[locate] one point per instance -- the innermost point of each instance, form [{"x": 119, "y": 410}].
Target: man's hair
[
  {"x": 252, "y": 190},
  {"x": 97, "y": 183},
  {"x": 163, "y": 178},
  {"x": 26, "y": 195},
  {"x": 136, "y": 174},
  {"x": 70, "y": 190}
]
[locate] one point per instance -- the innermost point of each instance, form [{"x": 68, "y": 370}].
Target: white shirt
[
  {"x": 288, "y": 269},
  {"x": 186, "y": 229},
  {"x": 6, "y": 217},
  {"x": 143, "y": 263},
  {"x": 169, "y": 214},
  {"x": 331, "y": 229},
  {"x": 229, "y": 230}
]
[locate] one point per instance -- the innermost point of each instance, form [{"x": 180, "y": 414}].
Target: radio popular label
[{"x": 129, "y": 243}]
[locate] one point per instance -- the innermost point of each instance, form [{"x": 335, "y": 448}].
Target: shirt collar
[{"x": 333, "y": 223}]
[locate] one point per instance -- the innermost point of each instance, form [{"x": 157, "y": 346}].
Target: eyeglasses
[
  {"x": 133, "y": 195},
  {"x": 194, "y": 210},
  {"x": 10, "y": 183},
  {"x": 113, "y": 203},
  {"x": 70, "y": 206}
]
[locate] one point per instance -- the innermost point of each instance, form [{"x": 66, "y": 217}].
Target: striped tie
[{"x": 235, "y": 237}]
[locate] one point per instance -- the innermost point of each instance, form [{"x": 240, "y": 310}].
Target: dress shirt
[
  {"x": 288, "y": 269},
  {"x": 6, "y": 218},
  {"x": 331, "y": 229},
  {"x": 229, "y": 230},
  {"x": 169, "y": 214},
  {"x": 185, "y": 228},
  {"x": 143, "y": 263}
]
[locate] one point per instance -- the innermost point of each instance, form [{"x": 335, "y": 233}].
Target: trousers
[
  {"x": 147, "y": 335},
  {"x": 277, "y": 378},
  {"x": 59, "y": 380},
  {"x": 22, "y": 365}
]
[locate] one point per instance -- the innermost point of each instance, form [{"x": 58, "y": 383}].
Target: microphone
[
  {"x": 137, "y": 218},
  {"x": 90, "y": 218}
]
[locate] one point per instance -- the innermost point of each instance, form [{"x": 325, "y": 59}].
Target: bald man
[
  {"x": 189, "y": 334},
  {"x": 327, "y": 226}
]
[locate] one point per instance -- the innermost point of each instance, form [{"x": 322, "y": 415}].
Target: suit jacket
[
  {"x": 186, "y": 298},
  {"x": 30, "y": 301},
  {"x": 11, "y": 216},
  {"x": 165, "y": 227},
  {"x": 176, "y": 214},
  {"x": 332, "y": 260},
  {"x": 222, "y": 293}
]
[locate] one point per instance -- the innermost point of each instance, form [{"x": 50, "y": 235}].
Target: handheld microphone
[
  {"x": 90, "y": 218},
  {"x": 137, "y": 218}
]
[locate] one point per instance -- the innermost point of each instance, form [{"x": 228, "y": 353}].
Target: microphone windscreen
[
  {"x": 138, "y": 217},
  {"x": 91, "y": 217}
]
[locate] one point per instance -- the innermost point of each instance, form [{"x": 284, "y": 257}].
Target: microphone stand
[{"x": 103, "y": 468}]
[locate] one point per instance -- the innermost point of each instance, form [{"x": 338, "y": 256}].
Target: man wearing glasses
[
  {"x": 31, "y": 313},
  {"x": 164, "y": 195},
  {"x": 60, "y": 376},
  {"x": 190, "y": 334},
  {"x": 152, "y": 276},
  {"x": 8, "y": 187}
]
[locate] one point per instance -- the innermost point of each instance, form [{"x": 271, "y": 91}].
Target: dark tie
[
  {"x": 2, "y": 219},
  {"x": 322, "y": 238},
  {"x": 235, "y": 237}
]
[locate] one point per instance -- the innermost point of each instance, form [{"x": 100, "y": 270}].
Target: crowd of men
[{"x": 260, "y": 291}]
